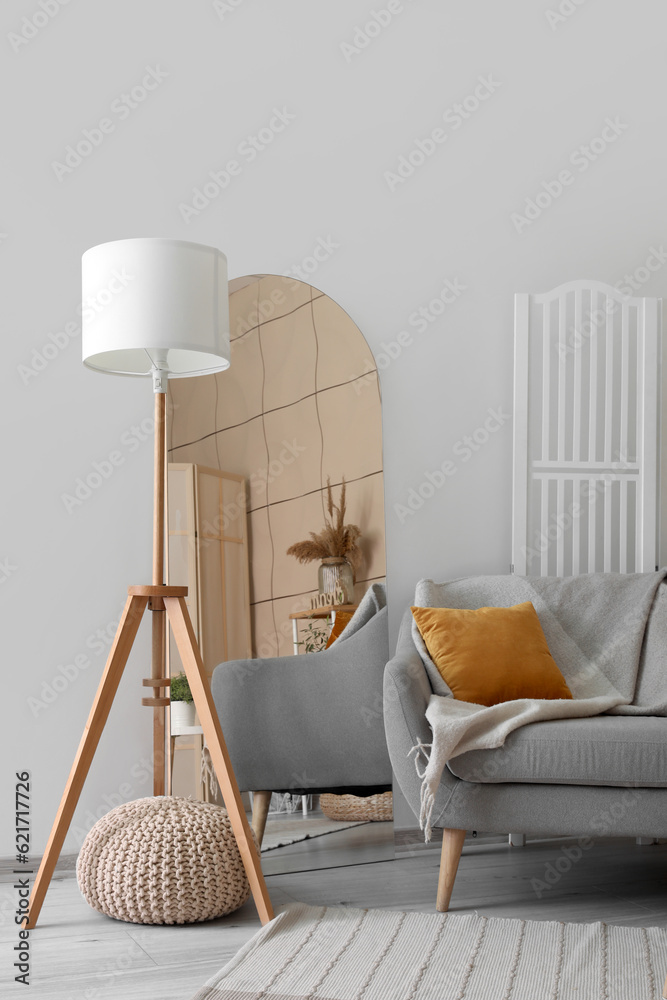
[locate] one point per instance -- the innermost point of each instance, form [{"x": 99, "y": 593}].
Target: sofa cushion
[
  {"x": 491, "y": 655},
  {"x": 604, "y": 750}
]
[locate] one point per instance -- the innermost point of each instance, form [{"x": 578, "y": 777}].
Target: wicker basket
[{"x": 371, "y": 808}]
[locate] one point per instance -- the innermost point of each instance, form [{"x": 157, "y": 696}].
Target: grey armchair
[
  {"x": 601, "y": 776},
  {"x": 311, "y": 723}
]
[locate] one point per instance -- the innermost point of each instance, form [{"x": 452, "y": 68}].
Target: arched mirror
[{"x": 251, "y": 451}]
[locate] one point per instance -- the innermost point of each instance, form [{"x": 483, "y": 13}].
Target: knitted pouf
[
  {"x": 371, "y": 808},
  {"x": 164, "y": 860}
]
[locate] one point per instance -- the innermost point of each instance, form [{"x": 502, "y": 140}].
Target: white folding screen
[{"x": 586, "y": 377}]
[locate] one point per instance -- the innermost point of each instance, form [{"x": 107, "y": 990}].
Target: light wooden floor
[{"x": 78, "y": 954}]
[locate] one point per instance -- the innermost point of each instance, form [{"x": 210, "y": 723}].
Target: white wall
[{"x": 322, "y": 178}]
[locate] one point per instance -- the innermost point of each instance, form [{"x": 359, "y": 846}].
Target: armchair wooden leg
[
  {"x": 452, "y": 845},
  {"x": 260, "y": 808},
  {"x": 664, "y": 991}
]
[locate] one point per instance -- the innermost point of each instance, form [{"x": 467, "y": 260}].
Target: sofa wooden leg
[
  {"x": 452, "y": 845},
  {"x": 664, "y": 991},
  {"x": 260, "y": 809}
]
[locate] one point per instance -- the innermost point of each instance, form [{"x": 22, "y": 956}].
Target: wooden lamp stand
[{"x": 161, "y": 601}]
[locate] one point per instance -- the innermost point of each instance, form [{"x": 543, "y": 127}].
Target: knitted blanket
[{"x": 594, "y": 625}]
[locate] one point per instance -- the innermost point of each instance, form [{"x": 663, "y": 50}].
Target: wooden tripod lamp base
[{"x": 172, "y": 601}]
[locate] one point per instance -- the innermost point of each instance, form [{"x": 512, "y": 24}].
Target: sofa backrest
[
  {"x": 609, "y": 620},
  {"x": 651, "y": 693},
  {"x": 373, "y": 601}
]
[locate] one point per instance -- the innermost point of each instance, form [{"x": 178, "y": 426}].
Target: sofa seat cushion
[{"x": 603, "y": 750}]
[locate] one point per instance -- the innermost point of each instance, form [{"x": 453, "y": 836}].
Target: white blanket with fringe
[{"x": 594, "y": 625}]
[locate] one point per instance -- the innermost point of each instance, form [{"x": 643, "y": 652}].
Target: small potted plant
[
  {"x": 335, "y": 546},
  {"x": 182, "y": 705},
  {"x": 316, "y": 636}
]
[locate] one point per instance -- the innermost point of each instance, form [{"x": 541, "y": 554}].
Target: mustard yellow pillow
[
  {"x": 492, "y": 654},
  {"x": 341, "y": 622}
]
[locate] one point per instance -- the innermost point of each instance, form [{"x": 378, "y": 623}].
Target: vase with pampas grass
[{"x": 335, "y": 546}]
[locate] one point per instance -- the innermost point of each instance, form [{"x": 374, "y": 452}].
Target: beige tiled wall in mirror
[{"x": 300, "y": 402}]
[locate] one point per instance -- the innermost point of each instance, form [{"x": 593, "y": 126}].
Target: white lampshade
[{"x": 150, "y": 303}]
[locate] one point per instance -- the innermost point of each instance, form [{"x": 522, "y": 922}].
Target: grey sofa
[
  {"x": 310, "y": 723},
  {"x": 590, "y": 777}
]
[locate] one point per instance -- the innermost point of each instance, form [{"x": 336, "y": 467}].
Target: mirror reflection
[{"x": 283, "y": 451}]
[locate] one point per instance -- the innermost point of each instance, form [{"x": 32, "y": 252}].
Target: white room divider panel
[{"x": 586, "y": 371}]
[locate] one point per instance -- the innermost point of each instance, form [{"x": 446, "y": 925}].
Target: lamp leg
[
  {"x": 201, "y": 693},
  {"x": 158, "y": 667},
  {"x": 106, "y": 692}
]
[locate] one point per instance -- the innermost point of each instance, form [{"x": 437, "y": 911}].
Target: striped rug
[{"x": 345, "y": 954}]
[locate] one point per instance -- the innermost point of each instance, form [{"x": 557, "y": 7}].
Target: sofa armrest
[
  {"x": 311, "y": 721},
  {"x": 407, "y": 692}
]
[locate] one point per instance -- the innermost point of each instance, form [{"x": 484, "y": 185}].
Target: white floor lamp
[{"x": 166, "y": 315}]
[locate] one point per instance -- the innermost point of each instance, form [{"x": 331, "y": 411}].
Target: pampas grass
[{"x": 335, "y": 540}]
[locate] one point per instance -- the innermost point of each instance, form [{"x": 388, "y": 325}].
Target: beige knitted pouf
[
  {"x": 372, "y": 808},
  {"x": 163, "y": 860}
]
